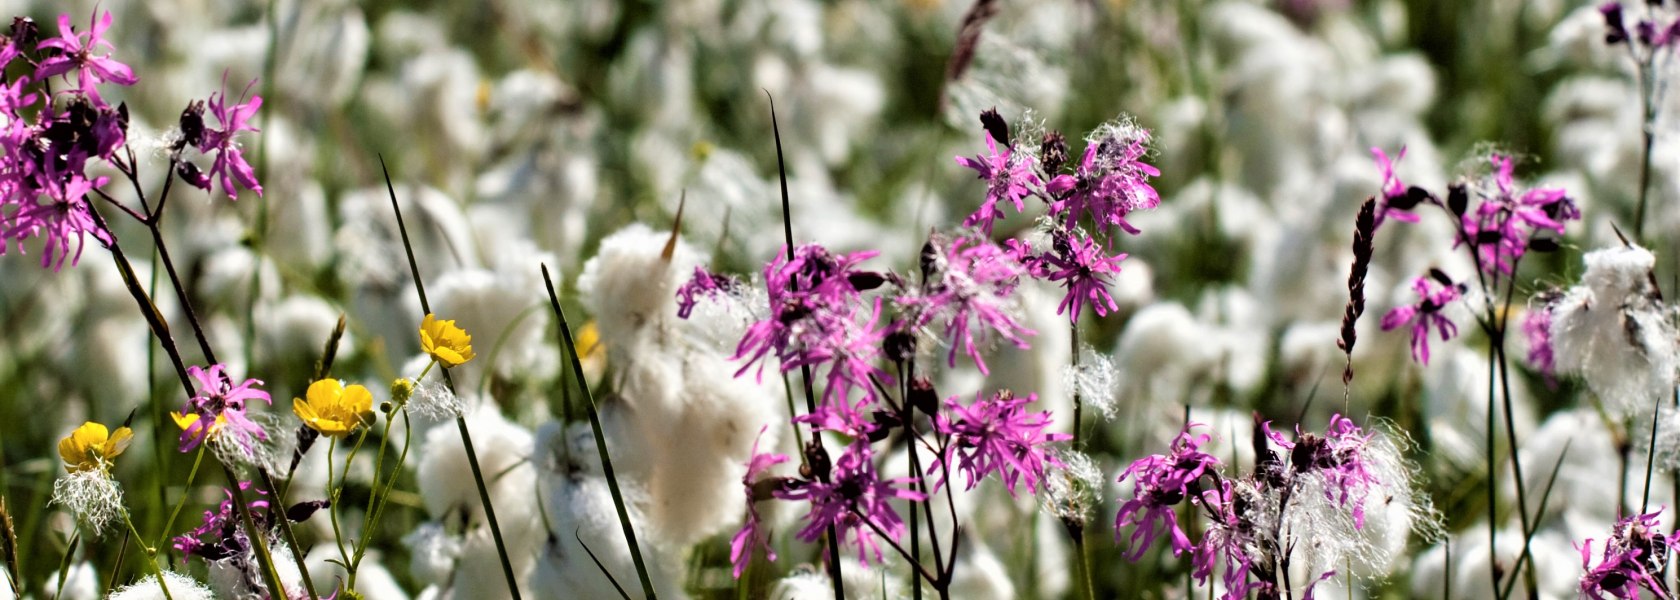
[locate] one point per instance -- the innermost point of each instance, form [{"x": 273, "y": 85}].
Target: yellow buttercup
[
  {"x": 448, "y": 344},
  {"x": 334, "y": 409},
  {"x": 92, "y": 446}
]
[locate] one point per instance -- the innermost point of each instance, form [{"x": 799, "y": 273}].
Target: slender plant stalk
[
  {"x": 258, "y": 537},
  {"x": 149, "y": 552},
  {"x": 64, "y": 563},
  {"x": 277, "y": 513},
  {"x": 834, "y": 575},
  {"x": 600, "y": 439},
  {"x": 460, "y": 421}
]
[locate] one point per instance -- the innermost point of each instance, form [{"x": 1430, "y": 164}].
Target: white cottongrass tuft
[
  {"x": 81, "y": 582},
  {"x": 451, "y": 499},
  {"x": 92, "y": 496},
  {"x": 181, "y": 587},
  {"x": 1613, "y": 330},
  {"x": 580, "y": 512},
  {"x": 1071, "y": 491},
  {"x": 1326, "y": 537},
  {"x": 1094, "y": 379},
  {"x": 433, "y": 400}
]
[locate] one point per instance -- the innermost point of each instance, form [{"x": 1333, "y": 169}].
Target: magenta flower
[
  {"x": 1635, "y": 558},
  {"x": 813, "y": 301},
  {"x": 1434, "y": 293},
  {"x": 1505, "y": 223},
  {"x": 229, "y": 165},
  {"x": 221, "y": 535},
  {"x": 219, "y": 410},
  {"x": 1230, "y": 539},
  {"x": 1160, "y": 482},
  {"x": 1537, "y": 328},
  {"x": 997, "y": 435},
  {"x": 74, "y": 54},
  {"x": 1111, "y": 182},
  {"x": 702, "y": 284},
  {"x": 968, "y": 288},
  {"x": 1083, "y": 268},
  {"x": 62, "y": 217},
  {"x": 1396, "y": 201},
  {"x": 1338, "y": 457},
  {"x": 1008, "y": 175},
  {"x": 856, "y": 501},
  {"x": 752, "y": 534}
]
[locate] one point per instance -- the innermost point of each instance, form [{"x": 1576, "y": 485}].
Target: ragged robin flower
[
  {"x": 448, "y": 344},
  {"x": 333, "y": 408},
  {"x": 92, "y": 446}
]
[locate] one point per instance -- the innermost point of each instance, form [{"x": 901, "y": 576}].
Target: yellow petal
[
  {"x": 183, "y": 421},
  {"x": 118, "y": 442},
  {"x": 303, "y": 410},
  {"x": 324, "y": 392},
  {"x": 357, "y": 400}
]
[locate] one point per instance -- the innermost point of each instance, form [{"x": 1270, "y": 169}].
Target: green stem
[
  {"x": 192, "y": 476},
  {"x": 258, "y": 537},
  {"x": 148, "y": 552},
  {"x": 277, "y": 512},
  {"x": 600, "y": 440},
  {"x": 460, "y": 421}
]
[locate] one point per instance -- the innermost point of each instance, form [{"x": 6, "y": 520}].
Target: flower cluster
[
  {"x": 1159, "y": 483},
  {"x": 1648, "y": 33},
  {"x": 998, "y": 435},
  {"x": 1635, "y": 558},
  {"x": 1435, "y": 293},
  {"x": 853, "y": 498},
  {"x": 1259, "y": 522},
  {"x": 52, "y": 135},
  {"x": 968, "y": 288},
  {"x": 222, "y": 540},
  {"x": 1085, "y": 207},
  {"x": 217, "y": 411}
]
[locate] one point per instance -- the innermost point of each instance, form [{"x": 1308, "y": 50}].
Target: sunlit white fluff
[
  {"x": 1614, "y": 332},
  {"x": 181, "y": 587}
]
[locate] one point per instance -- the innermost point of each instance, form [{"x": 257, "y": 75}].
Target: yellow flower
[
  {"x": 591, "y": 352},
  {"x": 333, "y": 409},
  {"x": 447, "y": 344},
  {"x": 92, "y": 446}
]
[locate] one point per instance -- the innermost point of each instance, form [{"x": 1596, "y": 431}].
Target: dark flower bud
[
  {"x": 995, "y": 126},
  {"x": 1458, "y": 199},
  {"x": 1543, "y": 244},
  {"x": 1440, "y": 276},
  {"x": 886, "y": 422},
  {"x": 1484, "y": 238},
  {"x": 864, "y": 281},
  {"x": 765, "y": 489},
  {"x": 1615, "y": 30},
  {"x": 301, "y": 511},
  {"x": 1053, "y": 152},
  {"x": 932, "y": 258},
  {"x": 1414, "y": 196},
  {"x": 817, "y": 464},
  {"x": 923, "y": 396},
  {"x": 190, "y": 173},
  {"x": 24, "y": 32},
  {"x": 192, "y": 124},
  {"x": 900, "y": 345}
]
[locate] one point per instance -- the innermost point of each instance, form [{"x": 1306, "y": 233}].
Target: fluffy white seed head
[
  {"x": 92, "y": 496},
  {"x": 1612, "y": 330}
]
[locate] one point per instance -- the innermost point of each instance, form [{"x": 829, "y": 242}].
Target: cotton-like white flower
[
  {"x": 181, "y": 587},
  {"x": 433, "y": 400},
  {"x": 81, "y": 582},
  {"x": 1613, "y": 330},
  {"x": 92, "y": 496},
  {"x": 581, "y": 513},
  {"x": 451, "y": 498}
]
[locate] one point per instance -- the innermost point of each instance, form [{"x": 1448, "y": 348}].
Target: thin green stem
[
  {"x": 277, "y": 512},
  {"x": 460, "y": 421},
  {"x": 148, "y": 553},
  {"x": 600, "y": 440},
  {"x": 64, "y": 563},
  {"x": 258, "y": 537},
  {"x": 168, "y": 526}
]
